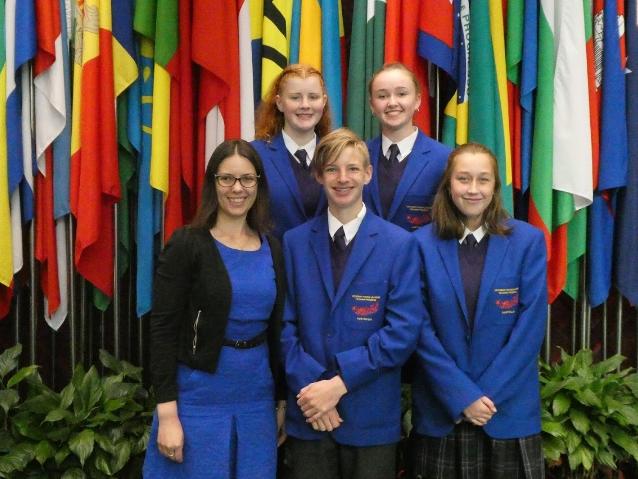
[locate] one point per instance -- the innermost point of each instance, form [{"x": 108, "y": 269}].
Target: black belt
[{"x": 245, "y": 343}]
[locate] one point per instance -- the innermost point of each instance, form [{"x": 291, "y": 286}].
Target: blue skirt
[{"x": 228, "y": 418}]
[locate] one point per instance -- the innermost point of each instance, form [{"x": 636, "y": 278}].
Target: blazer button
[{"x": 468, "y": 338}]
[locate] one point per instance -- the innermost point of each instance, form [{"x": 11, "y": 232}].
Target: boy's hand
[
  {"x": 328, "y": 422},
  {"x": 317, "y": 398}
]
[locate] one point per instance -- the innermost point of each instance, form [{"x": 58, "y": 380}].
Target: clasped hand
[
  {"x": 318, "y": 403},
  {"x": 480, "y": 411}
]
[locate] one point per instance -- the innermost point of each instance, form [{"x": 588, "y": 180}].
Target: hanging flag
[
  {"x": 125, "y": 70},
  {"x": 366, "y": 56},
  {"x": 528, "y": 78},
  {"x": 612, "y": 172},
  {"x": 561, "y": 157},
  {"x": 489, "y": 107},
  {"x": 401, "y": 45},
  {"x": 50, "y": 121},
  {"x": 310, "y": 40},
  {"x": 246, "y": 76},
  {"x": 6, "y": 250},
  {"x": 626, "y": 238},
  {"x": 295, "y": 32},
  {"x": 331, "y": 35},
  {"x": 95, "y": 185},
  {"x": 216, "y": 51},
  {"x": 444, "y": 40},
  {"x": 277, "y": 15}
]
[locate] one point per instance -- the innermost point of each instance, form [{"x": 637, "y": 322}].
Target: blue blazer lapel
[
  {"x": 449, "y": 251},
  {"x": 321, "y": 250},
  {"x": 364, "y": 243},
  {"x": 285, "y": 170},
  {"x": 418, "y": 160},
  {"x": 374, "y": 148},
  {"x": 496, "y": 252}
]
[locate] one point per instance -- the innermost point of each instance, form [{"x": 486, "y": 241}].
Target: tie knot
[
  {"x": 340, "y": 239},
  {"x": 393, "y": 153},
  {"x": 302, "y": 156},
  {"x": 470, "y": 241}
]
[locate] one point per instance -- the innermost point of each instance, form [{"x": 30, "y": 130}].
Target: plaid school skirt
[{"x": 469, "y": 453}]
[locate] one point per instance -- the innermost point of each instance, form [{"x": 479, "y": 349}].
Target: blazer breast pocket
[
  {"x": 505, "y": 299},
  {"x": 416, "y": 210},
  {"x": 365, "y": 305}
]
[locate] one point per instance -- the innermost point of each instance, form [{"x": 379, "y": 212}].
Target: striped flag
[
  {"x": 561, "y": 157},
  {"x": 277, "y": 15},
  {"x": 626, "y": 247},
  {"x": 310, "y": 39},
  {"x": 6, "y": 250},
  {"x": 50, "y": 121},
  {"x": 95, "y": 184},
  {"x": 612, "y": 170},
  {"x": 489, "y": 107},
  {"x": 401, "y": 45},
  {"x": 366, "y": 56}
]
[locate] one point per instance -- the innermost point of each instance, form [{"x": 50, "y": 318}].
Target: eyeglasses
[{"x": 227, "y": 181}]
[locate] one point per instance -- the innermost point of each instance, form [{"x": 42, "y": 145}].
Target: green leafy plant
[
  {"x": 96, "y": 427},
  {"x": 589, "y": 415}
]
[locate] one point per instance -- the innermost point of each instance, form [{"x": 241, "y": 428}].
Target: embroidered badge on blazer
[
  {"x": 365, "y": 306},
  {"x": 507, "y": 300},
  {"x": 418, "y": 215}
]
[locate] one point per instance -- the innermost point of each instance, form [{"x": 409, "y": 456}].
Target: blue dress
[{"x": 228, "y": 416}]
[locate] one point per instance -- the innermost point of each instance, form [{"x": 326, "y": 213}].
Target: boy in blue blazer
[{"x": 352, "y": 317}]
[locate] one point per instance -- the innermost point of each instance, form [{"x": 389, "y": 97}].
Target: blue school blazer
[
  {"x": 364, "y": 331},
  {"x": 412, "y": 203},
  {"x": 499, "y": 357},
  {"x": 286, "y": 205}
]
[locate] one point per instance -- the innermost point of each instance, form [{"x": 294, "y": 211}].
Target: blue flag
[
  {"x": 626, "y": 267},
  {"x": 613, "y": 160}
]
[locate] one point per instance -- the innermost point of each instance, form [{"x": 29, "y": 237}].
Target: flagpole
[
  {"x": 619, "y": 325},
  {"x": 574, "y": 325},
  {"x": 33, "y": 319},
  {"x": 116, "y": 289},
  {"x": 83, "y": 327},
  {"x": 583, "y": 305},
  {"x": 16, "y": 314},
  {"x": 72, "y": 315},
  {"x": 131, "y": 312},
  {"x": 437, "y": 98},
  {"x": 548, "y": 334},
  {"x": 605, "y": 330}
]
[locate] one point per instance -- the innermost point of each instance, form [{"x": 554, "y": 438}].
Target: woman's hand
[
  {"x": 170, "y": 435},
  {"x": 281, "y": 422},
  {"x": 480, "y": 411}
]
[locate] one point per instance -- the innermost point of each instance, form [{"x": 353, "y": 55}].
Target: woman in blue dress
[
  {"x": 215, "y": 326},
  {"x": 292, "y": 117}
]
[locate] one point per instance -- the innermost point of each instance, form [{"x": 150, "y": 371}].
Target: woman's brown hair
[
  {"x": 258, "y": 217},
  {"x": 270, "y": 121},
  {"x": 448, "y": 220}
]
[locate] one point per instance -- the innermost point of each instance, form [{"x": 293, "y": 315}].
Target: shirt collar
[
  {"x": 405, "y": 146},
  {"x": 478, "y": 233},
  {"x": 292, "y": 146},
  {"x": 350, "y": 228}
]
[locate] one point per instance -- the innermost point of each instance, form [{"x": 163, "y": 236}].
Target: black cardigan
[{"x": 191, "y": 281}]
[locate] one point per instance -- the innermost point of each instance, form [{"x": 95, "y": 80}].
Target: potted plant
[
  {"x": 96, "y": 427},
  {"x": 589, "y": 415}
]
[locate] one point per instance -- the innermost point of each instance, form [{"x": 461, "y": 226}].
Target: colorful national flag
[
  {"x": 612, "y": 172},
  {"x": 366, "y": 56},
  {"x": 561, "y": 166},
  {"x": 401, "y": 45},
  {"x": 626, "y": 237},
  {"x": 489, "y": 121},
  {"x": 95, "y": 184}
]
